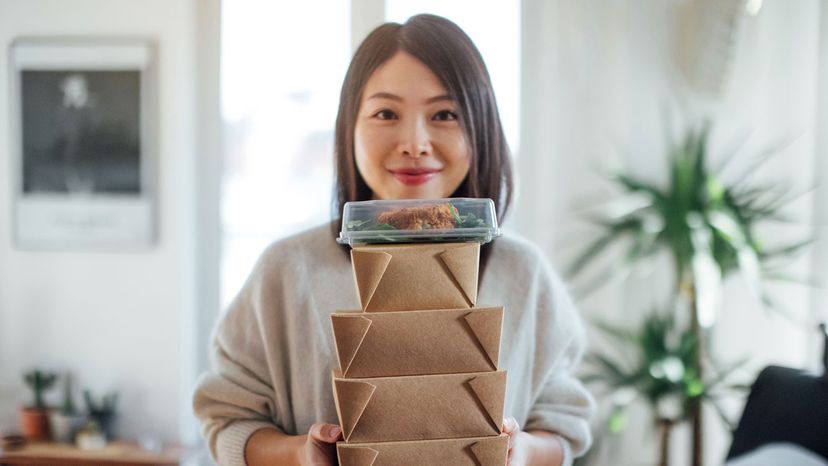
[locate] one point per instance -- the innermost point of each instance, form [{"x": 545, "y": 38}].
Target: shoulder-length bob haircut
[{"x": 450, "y": 54}]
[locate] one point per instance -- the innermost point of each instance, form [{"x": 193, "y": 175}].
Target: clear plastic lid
[{"x": 419, "y": 221}]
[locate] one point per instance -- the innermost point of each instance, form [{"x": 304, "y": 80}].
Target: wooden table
[{"x": 114, "y": 454}]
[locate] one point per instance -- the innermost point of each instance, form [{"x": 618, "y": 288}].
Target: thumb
[
  {"x": 326, "y": 433},
  {"x": 510, "y": 425}
]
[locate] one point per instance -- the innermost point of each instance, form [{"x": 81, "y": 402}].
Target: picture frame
[{"x": 83, "y": 143}]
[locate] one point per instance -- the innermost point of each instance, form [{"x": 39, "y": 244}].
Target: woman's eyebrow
[
  {"x": 390, "y": 96},
  {"x": 385, "y": 95},
  {"x": 439, "y": 98}
]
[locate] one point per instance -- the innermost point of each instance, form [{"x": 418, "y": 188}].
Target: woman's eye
[
  {"x": 385, "y": 114},
  {"x": 445, "y": 115}
]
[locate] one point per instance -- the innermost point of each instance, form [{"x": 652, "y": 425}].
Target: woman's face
[{"x": 407, "y": 141}]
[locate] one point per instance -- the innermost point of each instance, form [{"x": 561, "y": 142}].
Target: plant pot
[
  {"x": 90, "y": 439},
  {"x": 34, "y": 423},
  {"x": 64, "y": 427}
]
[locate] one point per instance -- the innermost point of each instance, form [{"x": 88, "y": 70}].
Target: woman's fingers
[
  {"x": 510, "y": 428},
  {"x": 510, "y": 425},
  {"x": 319, "y": 448},
  {"x": 327, "y": 433}
]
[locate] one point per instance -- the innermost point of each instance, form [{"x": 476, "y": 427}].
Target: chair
[{"x": 786, "y": 406}]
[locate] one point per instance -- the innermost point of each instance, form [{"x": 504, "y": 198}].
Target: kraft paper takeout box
[
  {"x": 476, "y": 451},
  {"x": 403, "y": 277},
  {"x": 385, "y": 344},
  {"x": 421, "y": 407}
]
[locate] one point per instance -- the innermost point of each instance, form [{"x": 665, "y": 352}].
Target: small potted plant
[
  {"x": 34, "y": 420},
  {"x": 102, "y": 412},
  {"x": 66, "y": 421},
  {"x": 90, "y": 437}
]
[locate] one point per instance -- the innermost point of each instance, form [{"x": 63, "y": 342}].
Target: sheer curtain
[
  {"x": 599, "y": 79},
  {"x": 282, "y": 68}
]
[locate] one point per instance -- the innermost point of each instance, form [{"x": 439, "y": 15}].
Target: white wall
[{"x": 118, "y": 320}]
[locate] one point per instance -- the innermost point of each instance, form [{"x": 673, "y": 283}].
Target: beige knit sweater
[{"x": 272, "y": 352}]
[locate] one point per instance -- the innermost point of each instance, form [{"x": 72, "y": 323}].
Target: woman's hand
[
  {"x": 518, "y": 446},
  {"x": 320, "y": 447}
]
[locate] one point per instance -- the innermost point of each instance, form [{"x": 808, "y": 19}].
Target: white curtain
[{"x": 599, "y": 79}]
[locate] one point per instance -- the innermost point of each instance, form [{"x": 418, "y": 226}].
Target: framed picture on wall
[{"x": 83, "y": 141}]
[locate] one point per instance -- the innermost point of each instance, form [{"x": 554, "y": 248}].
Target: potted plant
[
  {"x": 102, "y": 412},
  {"x": 90, "y": 437},
  {"x": 66, "y": 420},
  {"x": 707, "y": 227},
  {"x": 34, "y": 419}
]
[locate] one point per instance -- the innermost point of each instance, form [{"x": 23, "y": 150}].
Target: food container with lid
[{"x": 419, "y": 221}]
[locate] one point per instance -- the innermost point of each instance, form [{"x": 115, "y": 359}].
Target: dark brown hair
[{"x": 450, "y": 54}]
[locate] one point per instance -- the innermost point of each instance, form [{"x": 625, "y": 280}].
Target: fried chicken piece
[{"x": 427, "y": 217}]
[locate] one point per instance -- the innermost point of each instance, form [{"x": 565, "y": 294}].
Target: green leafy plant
[
  {"x": 698, "y": 219},
  {"x": 68, "y": 408},
  {"x": 706, "y": 226},
  {"x": 654, "y": 363},
  {"x": 102, "y": 411},
  {"x": 100, "y": 408},
  {"x": 39, "y": 382}
]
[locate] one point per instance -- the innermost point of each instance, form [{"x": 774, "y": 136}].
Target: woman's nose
[{"x": 415, "y": 140}]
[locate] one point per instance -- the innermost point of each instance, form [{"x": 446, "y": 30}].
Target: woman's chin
[
  {"x": 425, "y": 191},
  {"x": 419, "y": 194}
]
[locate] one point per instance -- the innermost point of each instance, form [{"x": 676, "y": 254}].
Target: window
[{"x": 281, "y": 75}]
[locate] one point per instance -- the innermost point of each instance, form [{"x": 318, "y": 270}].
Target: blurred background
[{"x": 246, "y": 93}]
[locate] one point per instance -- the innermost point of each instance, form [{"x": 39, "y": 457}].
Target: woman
[{"x": 417, "y": 119}]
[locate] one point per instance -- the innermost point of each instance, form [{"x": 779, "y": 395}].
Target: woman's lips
[{"x": 414, "y": 176}]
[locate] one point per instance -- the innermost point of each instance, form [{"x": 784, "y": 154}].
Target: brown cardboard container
[
  {"x": 386, "y": 344},
  {"x": 403, "y": 277},
  {"x": 421, "y": 407},
  {"x": 476, "y": 451}
]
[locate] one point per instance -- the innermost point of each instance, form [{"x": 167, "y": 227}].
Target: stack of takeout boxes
[{"x": 418, "y": 380}]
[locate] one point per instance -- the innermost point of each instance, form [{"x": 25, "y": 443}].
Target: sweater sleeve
[
  {"x": 563, "y": 405},
  {"x": 236, "y": 398}
]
